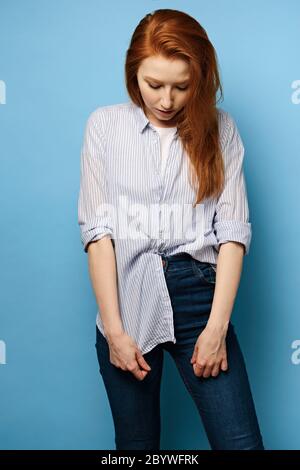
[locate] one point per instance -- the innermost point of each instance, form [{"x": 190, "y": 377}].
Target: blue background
[{"x": 60, "y": 60}]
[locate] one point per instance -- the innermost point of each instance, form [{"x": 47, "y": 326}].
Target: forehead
[{"x": 164, "y": 69}]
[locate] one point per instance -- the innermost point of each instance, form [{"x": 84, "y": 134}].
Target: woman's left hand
[{"x": 210, "y": 354}]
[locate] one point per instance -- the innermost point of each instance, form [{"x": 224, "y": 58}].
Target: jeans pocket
[{"x": 204, "y": 271}]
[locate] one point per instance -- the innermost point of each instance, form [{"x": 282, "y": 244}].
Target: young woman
[{"x": 162, "y": 281}]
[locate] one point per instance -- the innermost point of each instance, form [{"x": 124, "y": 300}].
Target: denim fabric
[{"x": 225, "y": 403}]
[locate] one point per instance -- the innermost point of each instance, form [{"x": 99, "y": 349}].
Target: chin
[{"x": 164, "y": 118}]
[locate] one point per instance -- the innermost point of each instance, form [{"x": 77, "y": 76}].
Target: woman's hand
[
  {"x": 209, "y": 354},
  {"x": 125, "y": 354}
]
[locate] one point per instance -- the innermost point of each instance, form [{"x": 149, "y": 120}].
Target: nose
[
  {"x": 167, "y": 105},
  {"x": 167, "y": 102}
]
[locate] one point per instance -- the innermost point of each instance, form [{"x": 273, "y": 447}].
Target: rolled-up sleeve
[
  {"x": 231, "y": 220},
  {"x": 93, "y": 220}
]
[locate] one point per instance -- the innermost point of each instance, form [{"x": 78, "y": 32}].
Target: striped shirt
[{"x": 147, "y": 213}]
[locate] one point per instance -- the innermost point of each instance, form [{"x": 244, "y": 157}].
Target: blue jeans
[{"x": 225, "y": 403}]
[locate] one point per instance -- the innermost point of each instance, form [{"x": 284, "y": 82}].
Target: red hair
[{"x": 174, "y": 34}]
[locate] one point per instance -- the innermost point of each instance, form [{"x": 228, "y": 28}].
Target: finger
[
  {"x": 141, "y": 361},
  {"x": 138, "y": 372},
  {"x": 141, "y": 374},
  {"x": 215, "y": 370},
  {"x": 199, "y": 368},
  {"x": 193, "y": 358},
  {"x": 207, "y": 372},
  {"x": 224, "y": 365},
  {"x": 195, "y": 353}
]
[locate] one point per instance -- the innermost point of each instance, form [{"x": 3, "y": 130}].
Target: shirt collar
[{"x": 141, "y": 118}]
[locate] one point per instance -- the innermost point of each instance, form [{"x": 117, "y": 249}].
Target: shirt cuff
[
  {"x": 93, "y": 234},
  {"x": 235, "y": 231}
]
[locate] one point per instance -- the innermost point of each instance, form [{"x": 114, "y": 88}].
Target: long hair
[{"x": 174, "y": 34}]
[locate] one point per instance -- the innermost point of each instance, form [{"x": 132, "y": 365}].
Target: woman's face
[{"x": 163, "y": 85}]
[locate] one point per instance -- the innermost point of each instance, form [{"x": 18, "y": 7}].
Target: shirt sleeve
[
  {"x": 93, "y": 217},
  {"x": 231, "y": 219}
]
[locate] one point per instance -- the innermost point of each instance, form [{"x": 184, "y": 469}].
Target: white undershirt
[{"x": 166, "y": 135}]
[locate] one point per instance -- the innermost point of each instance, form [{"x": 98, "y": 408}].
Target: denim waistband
[
  {"x": 174, "y": 261},
  {"x": 177, "y": 256}
]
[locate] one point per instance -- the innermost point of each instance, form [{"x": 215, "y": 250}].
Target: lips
[{"x": 165, "y": 112}]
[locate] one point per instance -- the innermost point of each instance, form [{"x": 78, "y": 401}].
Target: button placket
[{"x": 157, "y": 159}]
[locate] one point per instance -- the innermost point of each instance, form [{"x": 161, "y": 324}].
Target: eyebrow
[{"x": 158, "y": 81}]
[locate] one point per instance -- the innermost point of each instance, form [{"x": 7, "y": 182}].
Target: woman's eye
[{"x": 158, "y": 86}]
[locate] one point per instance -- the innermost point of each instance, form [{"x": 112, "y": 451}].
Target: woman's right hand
[{"x": 125, "y": 354}]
